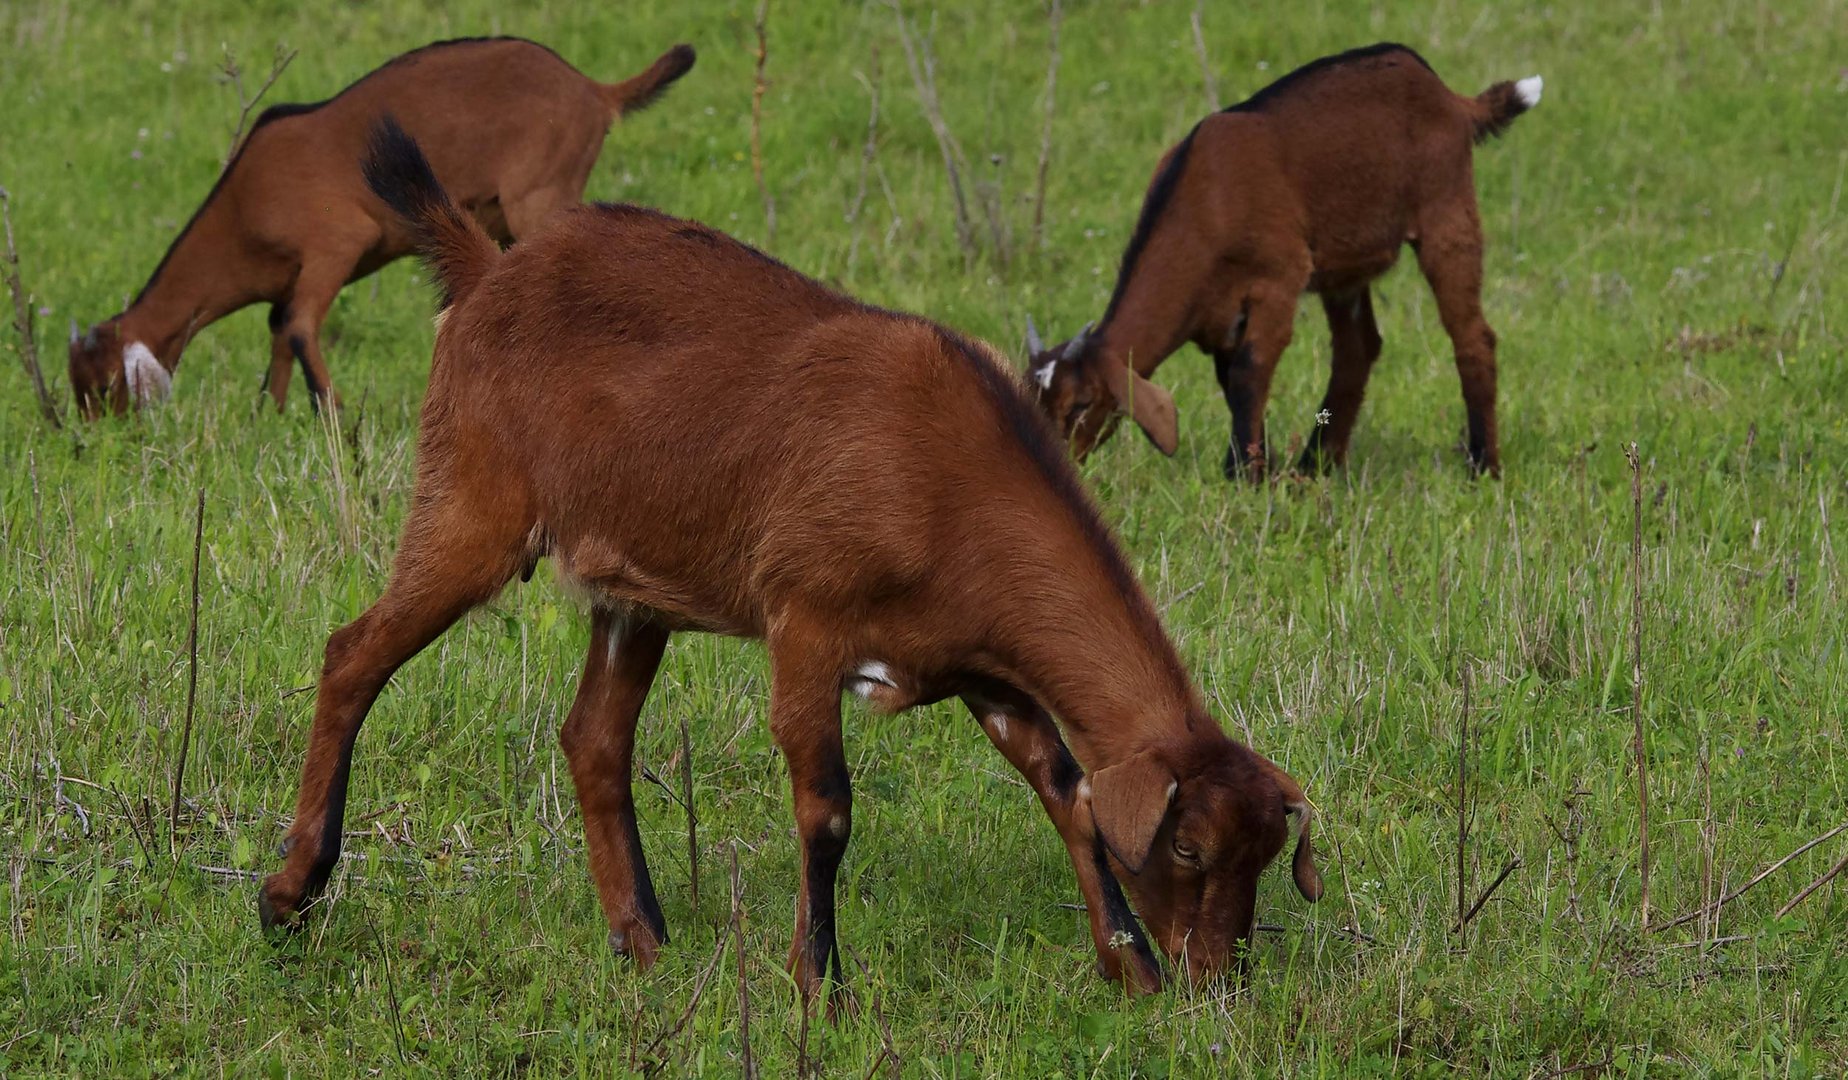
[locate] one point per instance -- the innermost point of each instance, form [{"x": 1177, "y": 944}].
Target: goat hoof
[
  {"x": 276, "y": 917},
  {"x": 638, "y": 943}
]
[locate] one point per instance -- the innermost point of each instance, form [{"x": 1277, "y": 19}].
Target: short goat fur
[
  {"x": 1312, "y": 185},
  {"x": 705, "y": 440},
  {"x": 511, "y": 128}
]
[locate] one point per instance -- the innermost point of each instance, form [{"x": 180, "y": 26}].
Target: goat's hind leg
[
  {"x": 1030, "y": 741},
  {"x": 599, "y": 742},
  {"x": 1450, "y": 256},
  {"x": 454, "y": 556}
]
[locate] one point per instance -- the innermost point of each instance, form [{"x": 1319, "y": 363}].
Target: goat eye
[{"x": 1185, "y": 852}]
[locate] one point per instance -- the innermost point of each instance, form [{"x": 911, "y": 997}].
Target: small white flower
[
  {"x": 1322, "y": 418},
  {"x": 1120, "y": 939}
]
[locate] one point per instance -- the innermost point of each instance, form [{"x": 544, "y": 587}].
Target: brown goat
[
  {"x": 706, "y": 440},
  {"x": 512, "y": 129},
  {"x": 1312, "y": 185}
]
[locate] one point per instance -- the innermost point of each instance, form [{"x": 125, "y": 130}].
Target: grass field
[{"x": 1666, "y": 234}]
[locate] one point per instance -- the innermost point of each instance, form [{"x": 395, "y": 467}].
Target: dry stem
[
  {"x": 192, "y": 680},
  {"x": 1056, "y": 18},
  {"x": 23, "y": 318},
  {"x": 234, "y": 74},
  {"x": 1636, "y": 681},
  {"x": 758, "y": 87}
]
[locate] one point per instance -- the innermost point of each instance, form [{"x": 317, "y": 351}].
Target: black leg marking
[
  {"x": 1231, "y": 366},
  {"x": 1117, "y": 914},
  {"x": 299, "y": 347},
  {"x": 644, "y": 884}
]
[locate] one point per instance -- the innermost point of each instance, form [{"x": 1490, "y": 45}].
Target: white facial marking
[
  {"x": 1173, "y": 786},
  {"x": 147, "y": 381},
  {"x": 1528, "y": 90},
  {"x": 1043, "y": 375},
  {"x": 999, "y": 721}
]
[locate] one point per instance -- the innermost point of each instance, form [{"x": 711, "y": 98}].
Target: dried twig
[
  {"x": 1513, "y": 865},
  {"x": 1206, "y": 67},
  {"x": 758, "y": 88},
  {"x": 391, "y": 990},
  {"x": 686, "y": 785},
  {"x": 1709, "y": 836},
  {"x": 744, "y": 986},
  {"x": 867, "y": 155},
  {"x": 686, "y": 1014},
  {"x": 232, "y": 73},
  {"x": 192, "y": 680},
  {"x": 23, "y": 318},
  {"x": 803, "y": 1066},
  {"x": 1056, "y": 18},
  {"x": 1760, "y": 876},
  {"x": 1353, "y": 908},
  {"x": 1813, "y": 886},
  {"x": 923, "y": 67},
  {"x": 888, "y": 1051},
  {"x": 1463, "y": 803},
  {"x": 1636, "y": 681}
]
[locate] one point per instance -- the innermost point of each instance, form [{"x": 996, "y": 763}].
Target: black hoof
[{"x": 273, "y": 920}]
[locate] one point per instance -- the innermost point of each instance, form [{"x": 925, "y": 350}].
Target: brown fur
[
  {"x": 512, "y": 129},
  {"x": 706, "y": 440},
  {"x": 1311, "y": 186}
]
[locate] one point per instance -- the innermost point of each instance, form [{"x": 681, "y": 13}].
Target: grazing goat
[
  {"x": 706, "y": 440},
  {"x": 1312, "y": 185},
  {"x": 512, "y": 129}
]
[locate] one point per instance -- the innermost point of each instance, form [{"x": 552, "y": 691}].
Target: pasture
[{"x": 1665, "y": 235}]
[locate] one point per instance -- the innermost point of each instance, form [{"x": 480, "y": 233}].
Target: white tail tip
[{"x": 1528, "y": 90}]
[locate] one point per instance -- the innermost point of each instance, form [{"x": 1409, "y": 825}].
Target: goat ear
[
  {"x": 1296, "y": 805},
  {"x": 1149, "y": 405},
  {"x": 1034, "y": 345},
  {"x": 1129, "y": 801}
]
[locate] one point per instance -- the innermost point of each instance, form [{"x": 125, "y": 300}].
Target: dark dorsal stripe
[
  {"x": 1160, "y": 193},
  {"x": 1257, "y": 101}
]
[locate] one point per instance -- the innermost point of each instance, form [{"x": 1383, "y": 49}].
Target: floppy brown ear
[
  {"x": 1296, "y": 805},
  {"x": 1129, "y": 800},
  {"x": 1151, "y": 407}
]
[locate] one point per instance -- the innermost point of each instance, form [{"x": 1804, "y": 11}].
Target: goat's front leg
[
  {"x": 805, "y": 719},
  {"x": 282, "y": 357},
  {"x": 1030, "y": 741},
  {"x": 1244, "y": 369}
]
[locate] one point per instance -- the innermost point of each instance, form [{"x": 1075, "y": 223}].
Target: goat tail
[
  {"x": 459, "y": 252},
  {"x": 1495, "y": 108},
  {"x": 633, "y": 95}
]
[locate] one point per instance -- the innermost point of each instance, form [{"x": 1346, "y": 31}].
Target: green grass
[{"x": 1666, "y": 234}]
